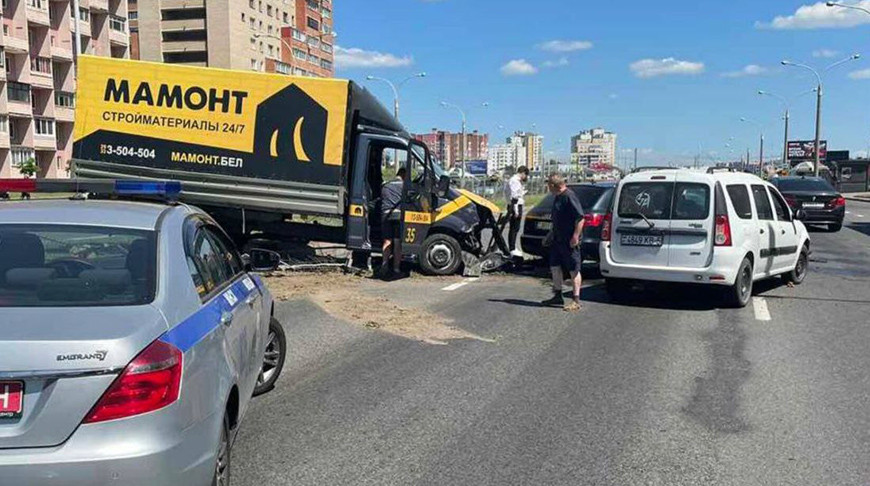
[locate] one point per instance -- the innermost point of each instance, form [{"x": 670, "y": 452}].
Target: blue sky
[{"x": 665, "y": 76}]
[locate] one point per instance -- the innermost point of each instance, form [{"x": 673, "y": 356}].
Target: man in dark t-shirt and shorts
[
  {"x": 391, "y": 199},
  {"x": 565, "y": 248}
]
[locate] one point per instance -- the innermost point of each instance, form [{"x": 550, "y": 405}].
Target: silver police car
[{"x": 132, "y": 339}]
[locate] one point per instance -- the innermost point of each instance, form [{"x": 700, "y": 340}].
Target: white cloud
[
  {"x": 565, "y": 45},
  {"x": 862, "y": 74},
  {"x": 562, "y": 62},
  {"x": 820, "y": 16},
  {"x": 518, "y": 67},
  {"x": 359, "y": 58},
  {"x": 749, "y": 70},
  {"x": 613, "y": 96},
  {"x": 825, "y": 53},
  {"x": 650, "y": 68}
]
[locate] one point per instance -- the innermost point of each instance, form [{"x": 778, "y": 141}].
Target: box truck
[{"x": 264, "y": 153}]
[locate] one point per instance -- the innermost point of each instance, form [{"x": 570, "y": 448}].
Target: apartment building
[
  {"x": 446, "y": 146},
  {"x": 511, "y": 154},
  {"x": 37, "y": 52},
  {"x": 309, "y": 42},
  {"x": 594, "y": 147}
]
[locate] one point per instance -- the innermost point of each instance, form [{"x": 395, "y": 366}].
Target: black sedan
[
  {"x": 822, "y": 203},
  {"x": 595, "y": 198}
]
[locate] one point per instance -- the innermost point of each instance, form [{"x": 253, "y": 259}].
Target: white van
[{"x": 717, "y": 228}]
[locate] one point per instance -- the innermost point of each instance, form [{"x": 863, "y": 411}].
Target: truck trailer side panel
[{"x": 248, "y": 140}]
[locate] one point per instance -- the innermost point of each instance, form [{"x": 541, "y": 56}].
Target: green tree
[{"x": 28, "y": 168}]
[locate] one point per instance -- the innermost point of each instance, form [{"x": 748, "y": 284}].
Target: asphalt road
[{"x": 668, "y": 390}]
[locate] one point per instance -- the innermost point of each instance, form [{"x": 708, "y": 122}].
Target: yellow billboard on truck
[{"x": 213, "y": 121}]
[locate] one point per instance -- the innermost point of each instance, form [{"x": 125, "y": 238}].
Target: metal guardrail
[{"x": 221, "y": 190}]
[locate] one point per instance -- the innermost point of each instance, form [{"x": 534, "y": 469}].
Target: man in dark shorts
[
  {"x": 391, "y": 200},
  {"x": 565, "y": 248}
]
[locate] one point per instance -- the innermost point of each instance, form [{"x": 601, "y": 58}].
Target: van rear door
[
  {"x": 691, "y": 242},
  {"x": 642, "y": 221}
]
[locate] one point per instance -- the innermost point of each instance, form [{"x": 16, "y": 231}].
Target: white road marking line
[
  {"x": 860, "y": 215},
  {"x": 848, "y": 212},
  {"x": 762, "y": 313},
  {"x": 459, "y": 285}
]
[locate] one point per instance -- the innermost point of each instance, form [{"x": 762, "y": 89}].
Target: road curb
[{"x": 857, "y": 198}]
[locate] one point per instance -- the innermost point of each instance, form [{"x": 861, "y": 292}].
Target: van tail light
[
  {"x": 837, "y": 203},
  {"x": 723, "y": 231},
  {"x": 593, "y": 220},
  {"x": 150, "y": 382},
  {"x": 606, "y": 226}
]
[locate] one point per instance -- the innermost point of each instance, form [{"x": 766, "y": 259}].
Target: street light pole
[
  {"x": 396, "y": 88},
  {"x": 819, "y": 94},
  {"x": 761, "y": 145},
  {"x": 843, "y": 5},
  {"x": 462, "y": 139},
  {"x": 787, "y": 107}
]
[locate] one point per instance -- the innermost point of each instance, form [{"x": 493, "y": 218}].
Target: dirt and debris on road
[{"x": 343, "y": 297}]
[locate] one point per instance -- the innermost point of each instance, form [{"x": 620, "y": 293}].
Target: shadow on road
[
  {"x": 662, "y": 296},
  {"x": 861, "y": 228}
]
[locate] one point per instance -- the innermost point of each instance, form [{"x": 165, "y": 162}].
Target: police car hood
[
  {"x": 75, "y": 338},
  {"x": 64, "y": 359}
]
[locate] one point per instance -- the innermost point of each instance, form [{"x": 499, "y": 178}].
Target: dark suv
[
  {"x": 822, "y": 203},
  {"x": 595, "y": 198}
]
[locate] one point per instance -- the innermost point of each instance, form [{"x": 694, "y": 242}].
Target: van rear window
[{"x": 665, "y": 200}]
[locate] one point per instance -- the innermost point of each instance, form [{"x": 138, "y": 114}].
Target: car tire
[
  {"x": 618, "y": 289},
  {"x": 273, "y": 360},
  {"x": 739, "y": 294},
  {"x": 223, "y": 463},
  {"x": 440, "y": 255},
  {"x": 833, "y": 228},
  {"x": 800, "y": 270}
]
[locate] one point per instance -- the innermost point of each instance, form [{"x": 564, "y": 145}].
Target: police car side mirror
[
  {"x": 800, "y": 215},
  {"x": 443, "y": 185},
  {"x": 263, "y": 260}
]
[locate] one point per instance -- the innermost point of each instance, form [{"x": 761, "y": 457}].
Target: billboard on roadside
[
  {"x": 477, "y": 167},
  {"x": 804, "y": 150}
]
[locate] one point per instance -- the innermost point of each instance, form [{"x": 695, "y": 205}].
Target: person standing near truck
[
  {"x": 515, "y": 192},
  {"x": 391, "y": 224},
  {"x": 565, "y": 248}
]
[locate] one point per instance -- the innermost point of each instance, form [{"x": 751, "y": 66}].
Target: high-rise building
[
  {"x": 283, "y": 36},
  {"x": 309, "y": 42},
  {"x": 446, "y": 146},
  {"x": 229, "y": 34},
  {"x": 594, "y": 147},
  {"x": 534, "y": 150},
  {"x": 512, "y": 153},
  {"x": 37, "y": 113}
]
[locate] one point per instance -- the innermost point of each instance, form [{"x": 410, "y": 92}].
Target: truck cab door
[
  {"x": 418, "y": 209},
  {"x": 365, "y": 181}
]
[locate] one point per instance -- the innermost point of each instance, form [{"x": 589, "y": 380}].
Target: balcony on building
[
  {"x": 181, "y": 4},
  {"x": 20, "y": 154},
  {"x": 101, "y": 6},
  {"x": 4, "y": 132},
  {"x": 11, "y": 40},
  {"x": 40, "y": 72},
  {"x": 18, "y": 99},
  {"x": 84, "y": 20},
  {"x": 37, "y": 12},
  {"x": 64, "y": 106},
  {"x": 43, "y": 135},
  {"x": 61, "y": 48},
  {"x": 118, "y": 30}
]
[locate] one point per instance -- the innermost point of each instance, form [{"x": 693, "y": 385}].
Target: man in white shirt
[{"x": 515, "y": 192}]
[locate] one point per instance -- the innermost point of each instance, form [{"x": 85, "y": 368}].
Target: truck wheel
[
  {"x": 273, "y": 360},
  {"x": 739, "y": 294},
  {"x": 440, "y": 255}
]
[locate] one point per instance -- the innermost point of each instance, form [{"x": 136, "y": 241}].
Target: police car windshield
[{"x": 76, "y": 266}]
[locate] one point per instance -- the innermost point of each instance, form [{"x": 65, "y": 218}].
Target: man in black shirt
[
  {"x": 391, "y": 200},
  {"x": 565, "y": 248}
]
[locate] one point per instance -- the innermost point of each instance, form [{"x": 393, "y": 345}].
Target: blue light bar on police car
[{"x": 148, "y": 188}]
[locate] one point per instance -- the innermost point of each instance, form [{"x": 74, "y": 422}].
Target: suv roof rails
[
  {"x": 651, "y": 168},
  {"x": 713, "y": 170}
]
